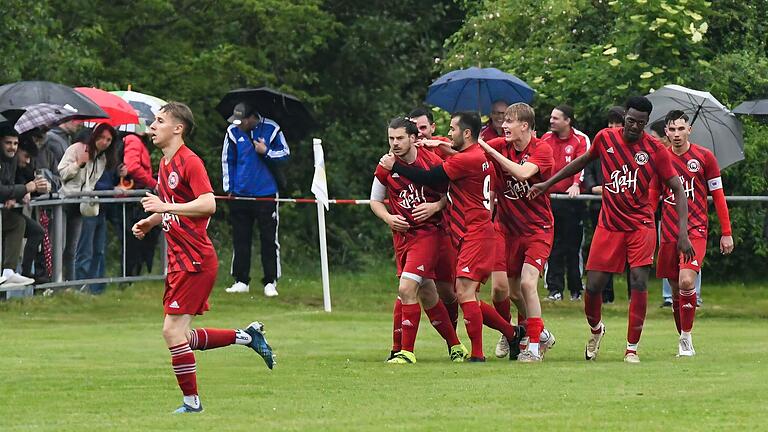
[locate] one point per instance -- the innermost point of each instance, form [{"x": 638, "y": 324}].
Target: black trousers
[
  {"x": 34, "y": 234},
  {"x": 242, "y": 215},
  {"x": 565, "y": 259}
]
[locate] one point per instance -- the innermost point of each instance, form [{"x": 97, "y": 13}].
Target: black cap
[{"x": 241, "y": 111}]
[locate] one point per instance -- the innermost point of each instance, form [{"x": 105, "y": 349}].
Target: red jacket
[
  {"x": 138, "y": 163},
  {"x": 565, "y": 151}
]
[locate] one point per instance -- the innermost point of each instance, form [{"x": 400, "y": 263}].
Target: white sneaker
[
  {"x": 631, "y": 357},
  {"x": 502, "y": 348},
  {"x": 2, "y": 280},
  {"x": 546, "y": 342},
  {"x": 13, "y": 280},
  {"x": 593, "y": 344},
  {"x": 685, "y": 348},
  {"x": 238, "y": 287},
  {"x": 270, "y": 290},
  {"x": 529, "y": 357}
]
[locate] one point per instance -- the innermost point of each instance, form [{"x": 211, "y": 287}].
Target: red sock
[
  {"x": 492, "y": 319},
  {"x": 397, "y": 326},
  {"x": 533, "y": 329},
  {"x": 210, "y": 338},
  {"x": 453, "y": 312},
  {"x": 637, "y": 307},
  {"x": 687, "y": 309},
  {"x": 676, "y": 311},
  {"x": 593, "y": 307},
  {"x": 185, "y": 368},
  {"x": 411, "y": 317},
  {"x": 502, "y": 307},
  {"x": 440, "y": 320},
  {"x": 473, "y": 320}
]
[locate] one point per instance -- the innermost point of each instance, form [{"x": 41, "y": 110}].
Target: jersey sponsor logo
[
  {"x": 688, "y": 188},
  {"x": 411, "y": 197},
  {"x": 610, "y": 150},
  {"x": 641, "y": 158},
  {"x": 516, "y": 190},
  {"x": 173, "y": 180},
  {"x": 174, "y": 304},
  {"x": 693, "y": 165},
  {"x": 622, "y": 180},
  {"x": 169, "y": 218}
]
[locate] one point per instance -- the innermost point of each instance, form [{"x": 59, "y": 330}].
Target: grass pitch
[{"x": 76, "y": 363}]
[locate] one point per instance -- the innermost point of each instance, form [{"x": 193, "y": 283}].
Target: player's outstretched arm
[
  {"x": 569, "y": 170},
  {"x": 202, "y": 206},
  {"x": 681, "y": 206},
  {"x": 520, "y": 172}
]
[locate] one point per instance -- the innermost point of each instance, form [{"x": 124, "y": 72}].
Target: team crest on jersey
[
  {"x": 641, "y": 158},
  {"x": 173, "y": 180},
  {"x": 694, "y": 165},
  {"x": 569, "y": 149}
]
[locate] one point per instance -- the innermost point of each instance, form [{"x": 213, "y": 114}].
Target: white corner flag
[{"x": 319, "y": 183}]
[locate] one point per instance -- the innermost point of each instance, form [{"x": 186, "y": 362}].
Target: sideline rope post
[{"x": 320, "y": 189}]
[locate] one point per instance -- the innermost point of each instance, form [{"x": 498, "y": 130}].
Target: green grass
[{"x": 75, "y": 363}]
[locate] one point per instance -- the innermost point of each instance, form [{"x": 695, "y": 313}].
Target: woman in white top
[{"x": 80, "y": 168}]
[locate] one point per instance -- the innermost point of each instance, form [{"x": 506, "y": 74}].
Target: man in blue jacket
[{"x": 252, "y": 146}]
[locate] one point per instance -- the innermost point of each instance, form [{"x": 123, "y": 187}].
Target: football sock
[
  {"x": 397, "y": 322},
  {"x": 687, "y": 310},
  {"x": 631, "y": 348},
  {"x": 438, "y": 317},
  {"x": 593, "y": 304},
  {"x": 453, "y": 312},
  {"x": 185, "y": 368},
  {"x": 473, "y": 320},
  {"x": 533, "y": 329},
  {"x": 502, "y": 307},
  {"x": 192, "y": 400},
  {"x": 685, "y": 335},
  {"x": 492, "y": 319},
  {"x": 637, "y": 306},
  {"x": 410, "y": 325},
  {"x": 210, "y": 338},
  {"x": 676, "y": 311}
]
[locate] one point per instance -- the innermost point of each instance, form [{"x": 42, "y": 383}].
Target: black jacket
[{"x": 9, "y": 189}]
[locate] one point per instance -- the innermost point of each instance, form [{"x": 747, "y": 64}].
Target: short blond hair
[{"x": 522, "y": 112}]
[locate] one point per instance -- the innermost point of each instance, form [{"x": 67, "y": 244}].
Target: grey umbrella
[
  {"x": 714, "y": 126},
  {"x": 23, "y": 93},
  {"x": 753, "y": 107}
]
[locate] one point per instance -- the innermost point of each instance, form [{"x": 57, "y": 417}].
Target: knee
[{"x": 687, "y": 283}]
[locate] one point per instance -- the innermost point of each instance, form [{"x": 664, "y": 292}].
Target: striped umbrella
[
  {"x": 146, "y": 105},
  {"x": 45, "y": 115}
]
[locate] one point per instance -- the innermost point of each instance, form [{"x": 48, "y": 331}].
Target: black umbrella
[
  {"x": 24, "y": 93},
  {"x": 293, "y": 117},
  {"x": 753, "y": 107}
]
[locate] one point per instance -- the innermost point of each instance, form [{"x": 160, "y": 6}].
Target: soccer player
[
  {"x": 526, "y": 225},
  {"x": 625, "y": 233},
  {"x": 700, "y": 175},
  {"x": 419, "y": 235},
  {"x": 184, "y": 205},
  {"x": 468, "y": 175}
]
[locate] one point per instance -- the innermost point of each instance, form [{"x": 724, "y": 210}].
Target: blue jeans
[
  {"x": 666, "y": 289},
  {"x": 91, "y": 261}
]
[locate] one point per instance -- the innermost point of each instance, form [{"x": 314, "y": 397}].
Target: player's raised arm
[
  {"x": 519, "y": 172},
  {"x": 569, "y": 170},
  {"x": 434, "y": 177}
]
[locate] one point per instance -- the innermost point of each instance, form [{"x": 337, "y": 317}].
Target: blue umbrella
[{"x": 477, "y": 89}]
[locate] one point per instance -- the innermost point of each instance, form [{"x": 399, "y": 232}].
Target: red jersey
[
  {"x": 563, "y": 152},
  {"x": 518, "y": 215},
  {"x": 404, "y": 195},
  {"x": 488, "y": 133},
  {"x": 440, "y": 151},
  {"x": 700, "y": 175},
  {"x": 469, "y": 194},
  {"x": 181, "y": 180},
  {"x": 628, "y": 169}
]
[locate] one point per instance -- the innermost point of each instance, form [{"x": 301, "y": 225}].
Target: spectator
[
  {"x": 59, "y": 138},
  {"x": 25, "y": 173},
  {"x": 493, "y": 129},
  {"x": 565, "y": 261},
  {"x": 81, "y": 167},
  {"x": 138, "y": 165},
  {"x": 14, "y": 223},
  {"x": 593, "y": 183},
  {"x": 251, "y": 143}
]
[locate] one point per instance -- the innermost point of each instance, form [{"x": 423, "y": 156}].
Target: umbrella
[
  {"x": 145, "y": 105},
  {"x": 714, "y": 126},
  {"x": 120, "y": 112},
  {"x": 293, "y": 117},
  {"x": 45, "y": 115},
  {"x": 477, "y": 89},
  {"x": 10, "y": 115},
  {"x": 754, "y": 107},
  {"x": 25, "y": 93}
]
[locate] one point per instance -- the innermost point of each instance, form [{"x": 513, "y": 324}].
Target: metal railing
[{"x": 56, "y": 202}]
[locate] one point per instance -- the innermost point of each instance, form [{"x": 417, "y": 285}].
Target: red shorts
[
  {"x": 514, "y": 251},
  {"x": 670, "y": 261},
  {"x": 612, "y": 250},
  {"x": 186, "y": 293},
  {"x": 475, "y": 259},
  {"x": 427, "y": 254}
]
